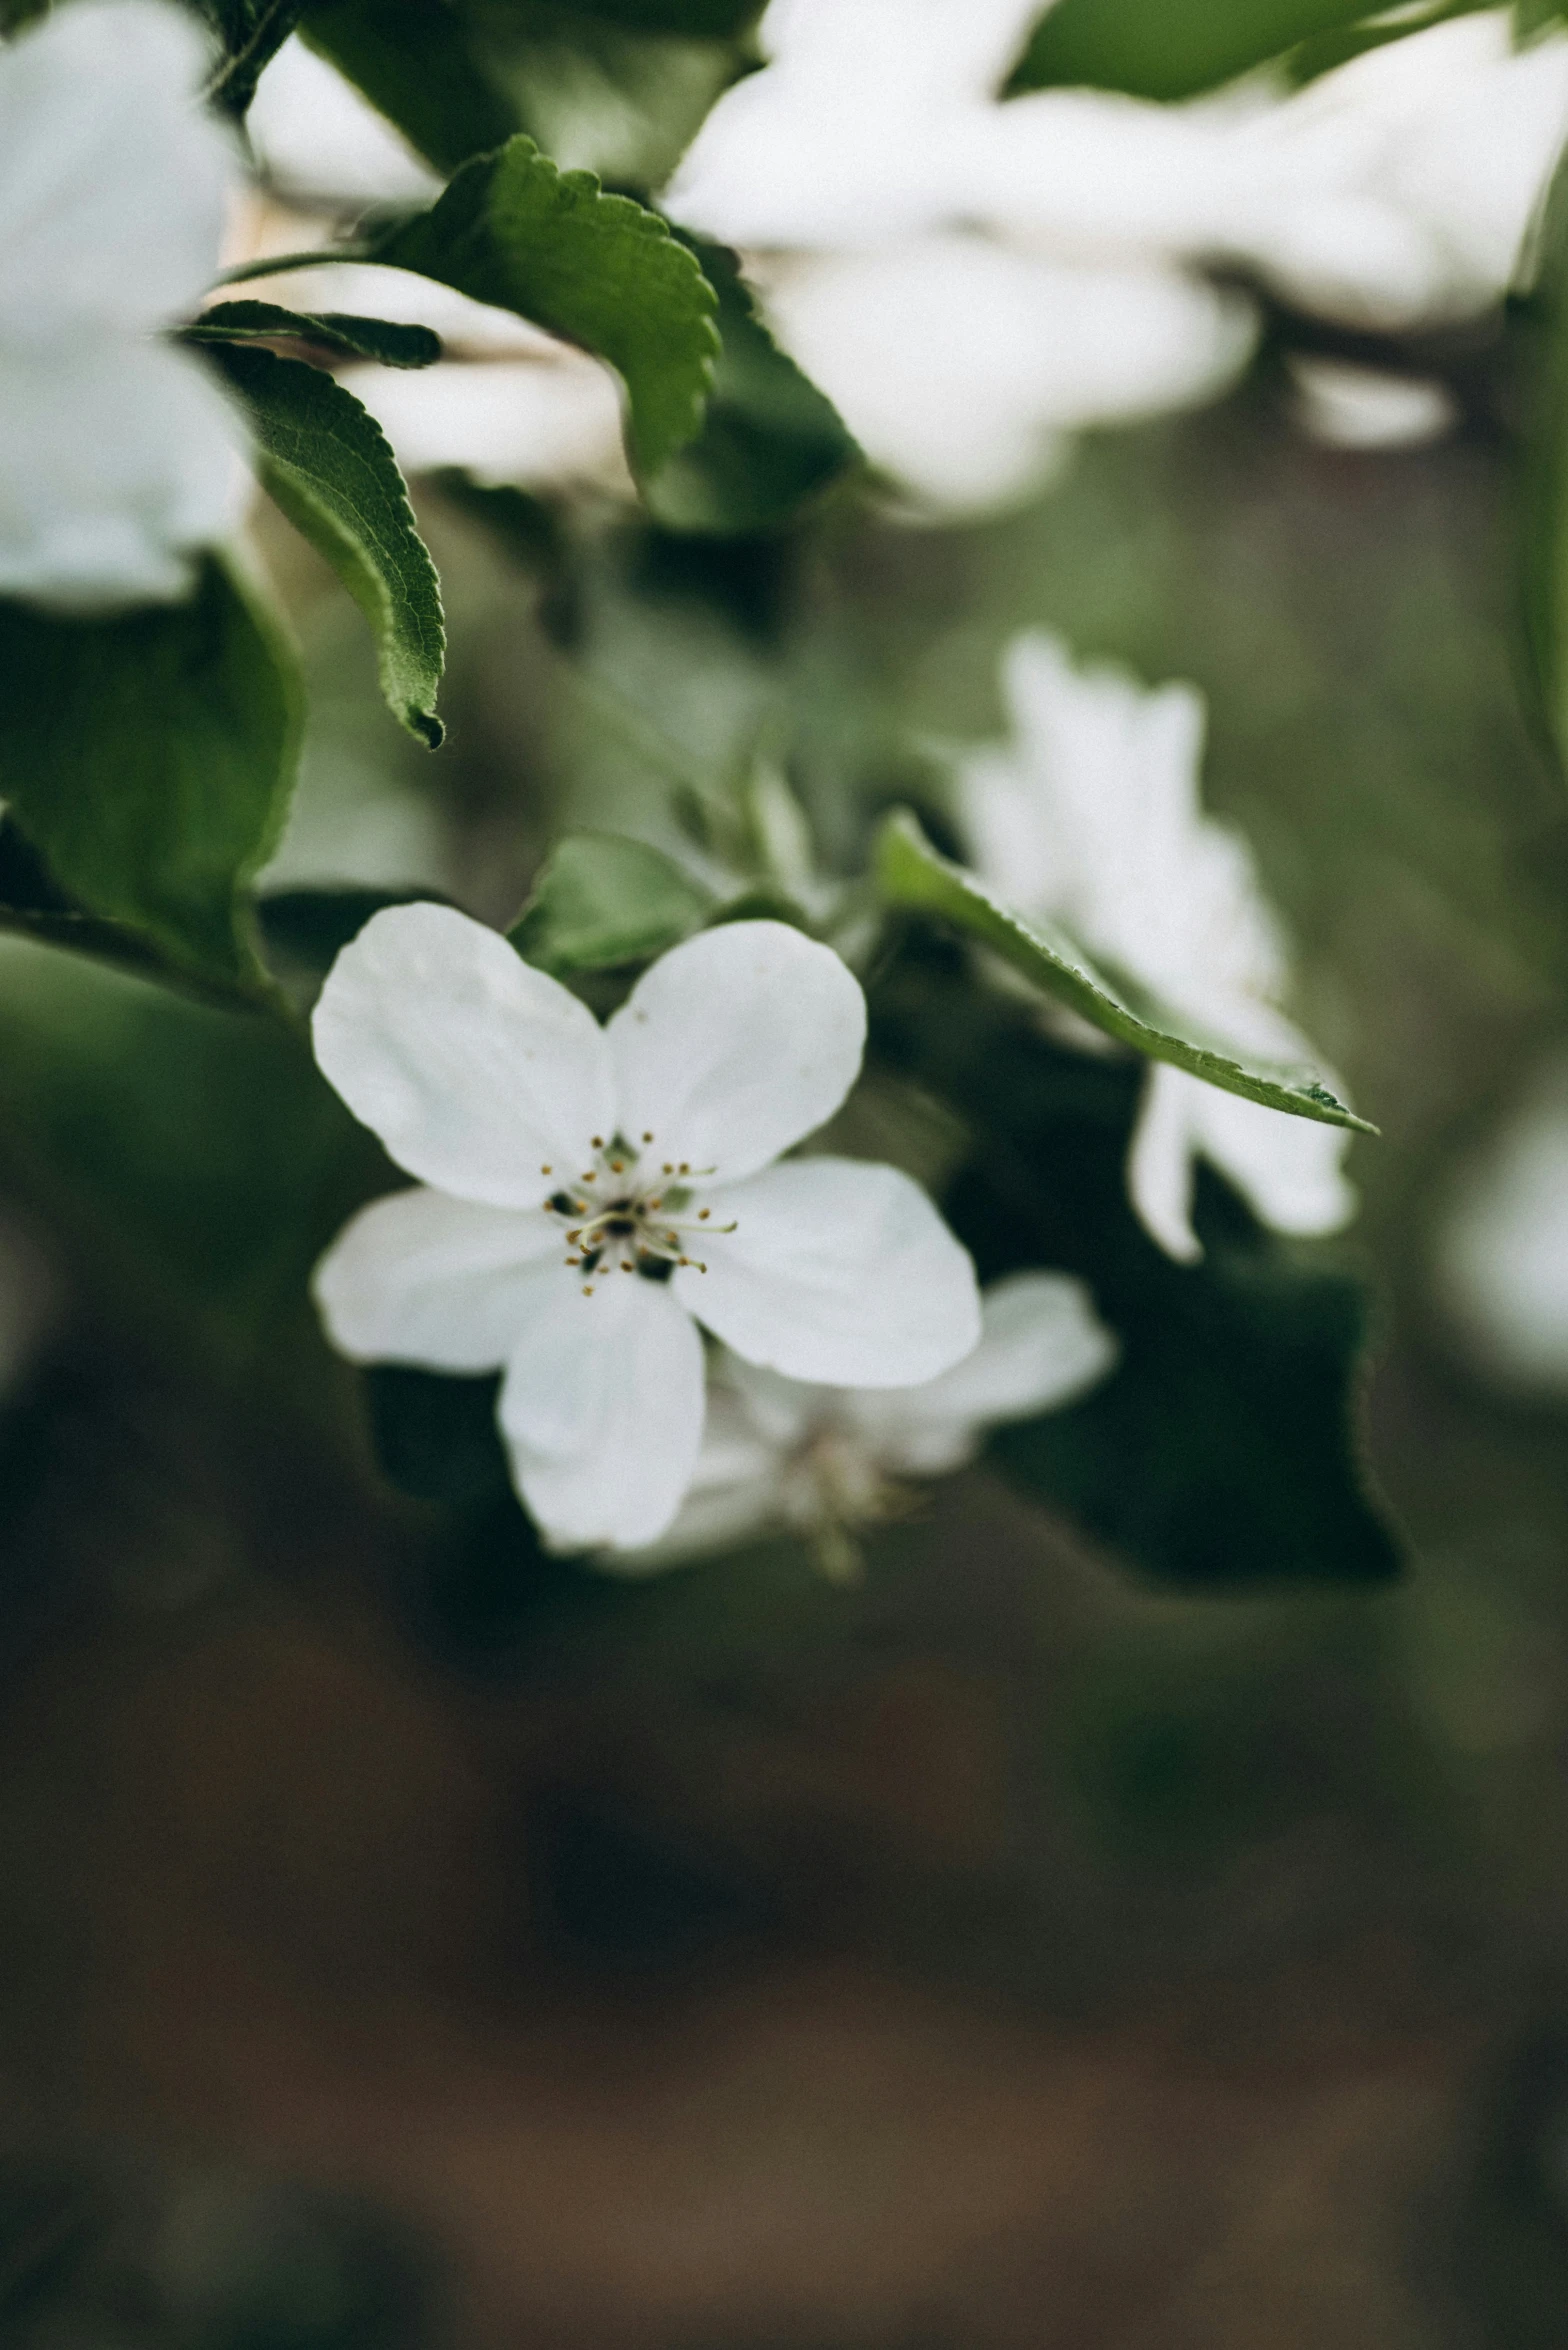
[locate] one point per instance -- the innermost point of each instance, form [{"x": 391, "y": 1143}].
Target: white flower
[
  {"x": 972, "y": 280},
  {"x": 1501, "y": 1269},
  {"x": 589, "y": 1194},
  {"x": 118, "y": 454},
  {"x": 1089, "y": 817},
  {"x": 822, "y": 1461}
]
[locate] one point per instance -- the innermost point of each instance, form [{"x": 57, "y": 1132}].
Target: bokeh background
[{"x": 409, "y": 1942}]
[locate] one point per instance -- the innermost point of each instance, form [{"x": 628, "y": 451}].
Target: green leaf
[
  {"x": 911, "y": 873},
  {"x": 687, "y": 20},
  {"x": 252, "y": 32},
  {"x": 414, "y": 61},
  {"x": 603, "y": 900},
  {"x": 334, "y": 330},
  {"x": 1224, "y": 1450},
  {"x": 327, "y": 463},
  {"x": 532, "y": 531},
  {"x": 149, "y": 759},
  {"x": 770, "y": 441},
  {"x": 1543, "y": 504},
  {"x": 1154, "y": 49},
  {"x": 597, "y": 270}
]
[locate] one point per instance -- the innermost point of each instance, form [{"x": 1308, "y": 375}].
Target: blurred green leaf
[
  {"x": 383, "y": 339},
  {"x": 600, "y": 271},
  {"x": 1224, "y": 1448},
  {"x": 149, "y": 758},
  {"x": 329, "y": 466},
  {"x": 194, "y": 1156},
  {"x": 688, "y": 20},
  {"x": 911, "y": 873},
  {"x": 770, "y": 441},
  {"x": 1152, "y": 49},
  {"x": 533, "y": 531},
  {"x": 414, "y": 61},
  {"x": 1543, "y": 516},
  {"x": 603, "y": 900}
]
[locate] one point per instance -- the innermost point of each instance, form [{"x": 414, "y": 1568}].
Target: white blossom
[
  {"x": 587, "y": 1195},
  {"x": 1501, "y": 1262},
  {"x": 971, "y": 280},
  {"x": 118, "y": 454},
  {"x": 1089, "y": 817},
  {"x": 823, "y": 1461}
]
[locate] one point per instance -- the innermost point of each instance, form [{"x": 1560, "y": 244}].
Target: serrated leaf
[
  {"x": 911, "y": 873},
  {"x": 1224, "y": 1448},
  {"x": 599, "y": 271},
  {"x": 1151, "y": 49},
  {"x": 770, "y": 441},
  {"x": 603, "y": 900},
  {"x": 149, "y": 759},
  {"x": 414, "y": 61},
  {"x": 382, "y": 339},
  {"x": 328, "y": 464}
]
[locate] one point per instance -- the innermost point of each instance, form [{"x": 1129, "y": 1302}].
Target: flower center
[{"x": 630, "y": 1211}]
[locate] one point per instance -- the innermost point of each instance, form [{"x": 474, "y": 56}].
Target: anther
[
  {"x": 590, "y": 1177},
  {"x": 547, "y": 1170},
  {"x": 647, "y": 1138},
  {"x": 685, "y": 1167},
  {"x": 587, "y": 1289},
  {"x": 616, "y": 1166},
  {"x": 703, "y": 1214},
  {"x": 668, "y": 1169},
  {"x": 598, "y": 1142}
]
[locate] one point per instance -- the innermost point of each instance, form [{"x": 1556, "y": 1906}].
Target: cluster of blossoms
[{"x": 972, "y": 279}]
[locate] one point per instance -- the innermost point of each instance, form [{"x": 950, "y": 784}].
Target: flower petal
[
  {"x": 119, "y": 459},
  {"x": 1041, "y": 1344},
  {"x": 837, "y": 1272},
  {"x": 1290, "y": 1169},
  {"x": 602, "y": 1410},
  {"x": 479, "y": 1074},
  {"x": 735, "y": 1045},
  {"x": 113, "y": 180},
  {"x": 425, "y": 1278},
  {"x": 734, "y": 1496}
]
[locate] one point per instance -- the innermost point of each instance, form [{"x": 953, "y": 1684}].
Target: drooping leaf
[
  {"x": 1152, "y": 49},
  {"x": 149, "y": 759},
  {"x": 252, "y": 32},
  {"x": 328, "y": 464},
  {"x": 416, "y": 63},
  {"x": 1224, "y": 1449},
  {"x": 604, "y": 900},
  {"x": 335, "y": 331},
  {"x": 599, "y": 271},
  {"x": 911, "y": 873},
  {"x": 770, "y": 441}
]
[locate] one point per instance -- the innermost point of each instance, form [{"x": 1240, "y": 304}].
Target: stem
[{"x": 277, "y": 263}]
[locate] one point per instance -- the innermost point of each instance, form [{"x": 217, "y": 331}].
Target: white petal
[
  {"x": 1290, "y": 1169},
  {"x": 314, "y": 136},
  {"x": 117, "y": 461},
  {"x": 425, "y": 1278},
  {"x": 1041, "y": 1345},
  {"x": 735, "y": 1045},
  {"x": 1159, "y": 1163},
  {"x": 839, "y": 1273},
  {"x": 479, "y": 1074},
  {"x": 734, "y": 1494},
  {"x": 112, "y": 179},
  {"x": 602, "y": 1408}
]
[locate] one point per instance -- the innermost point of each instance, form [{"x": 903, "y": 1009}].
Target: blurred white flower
[
  {"x": 824, "y": 1461},
  {"x": 971, "y": 280},
  {"x": 119, "y": 457},
  {"x": 319, "y": 142},
  {"x": 1501, "y": 1269},
  {"x": 1089, "y": 818},
  {"x": 587, "y": 1195},
  {"x": 1352, "y": 407}
]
